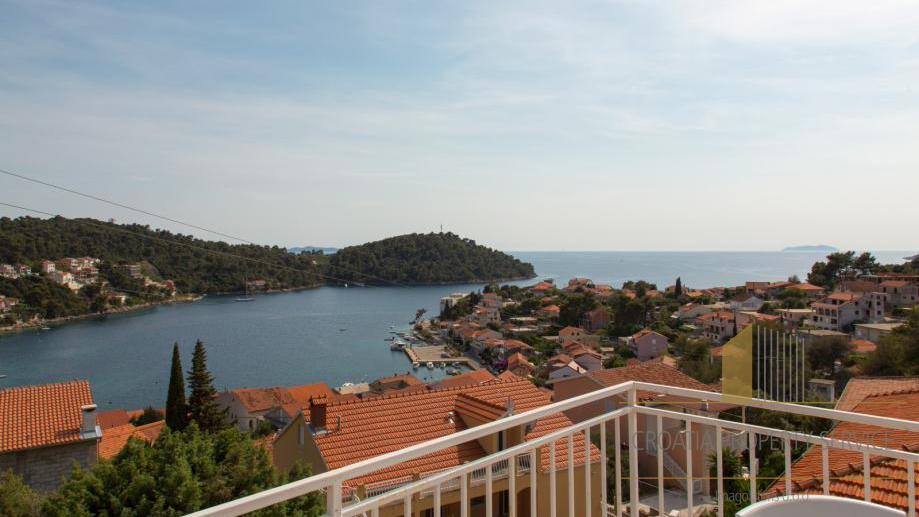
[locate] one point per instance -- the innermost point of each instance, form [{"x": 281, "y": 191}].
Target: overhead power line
[{"x": 183, "y": 244}]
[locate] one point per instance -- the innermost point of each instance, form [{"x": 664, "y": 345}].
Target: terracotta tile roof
[
  {"x": 507, "y": 375},
  {"x": 860, "y": 388},
  {"x": 43, "y": 414},
  {"x": 263, "y": 399},
  {"x": 571, "y": 330},
  {"x": 894, "y": 283},
  {"x": 863, "y": 346},
  {"x": 478, "y": 409},
  {"x": 511, "y": 344},
  {"x": 114, "y": 439},
  {"x": 406, "y": 378},
  {"x": 516, "y": 358},
  {"x": 804, "y": 286},
  {"x": 376, "y": 426},
  {"x": 846, "y": 297},
  {"x": 656, "y": 373},
  {"x": 464, "y": 379},
  {"x": 888, "y": 483},
  {"x": 303, "y": 393},
  {"x": 112, "y": 418}
]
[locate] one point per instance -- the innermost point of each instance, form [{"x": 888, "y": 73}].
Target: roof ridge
[
  {"x": 400, "y": 394},
  {"x": 43, "y": 385},
  {"x": 483, "y": 401}
]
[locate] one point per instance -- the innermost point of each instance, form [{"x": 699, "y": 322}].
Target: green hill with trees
[
  {"x": 430, "y": 258},
  {"x": 216, "y": 268}
]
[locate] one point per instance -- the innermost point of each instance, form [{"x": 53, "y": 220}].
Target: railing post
[
  {"x": 511, "y": 487},
  {"x": 437, "y": 500},
  {"x": 787, "y": 445},
  {"x": 489, "y": 501},
  {"x": 553, "y": 499},
  {"x": 603, "y": 467},
  {"x": 571, "y": 475},
  {"x": 690, "y": 485},
  {"x": 752, "y": 452},
  {"x": 587, "y": 472},
  {"x": 720, "y": 471},
  {"x": 660, "y": 465},
  {"x": 333, "y": 499},
  {"x": 618, "y": 467},
  {"x": 534, "y": 462},
  {"x": 911, "y": 487},
  {"x": 464, "y": 495},
  {"x": 633, "y": 453}
]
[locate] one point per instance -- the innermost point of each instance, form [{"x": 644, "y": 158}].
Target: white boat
[
  {"x": 397, "y": 346},
  {"x": 430, "y": 365},
  {"x": 415, "y": 365},
  {"x": 247, "y": 297},
  {"x": 452, "y": 371},
  {"x": 46, "y": 328}
]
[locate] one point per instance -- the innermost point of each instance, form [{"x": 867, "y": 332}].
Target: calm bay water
[{"x": 296, "y": 338}]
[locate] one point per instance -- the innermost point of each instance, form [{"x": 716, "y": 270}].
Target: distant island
[
  {"x": 312, "y": 249},
  {"x": 812, "y": 247},
  {"x": 432, "y": 258}
]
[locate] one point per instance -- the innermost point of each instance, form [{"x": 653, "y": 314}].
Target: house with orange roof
[
  {"x": 520, "y": 366},
  {"x": 339, "y": 434},
  {"x": 549, "y": 312},
  {"x": 115, "y": 438},
  {"x": 884, "y": 397},
  {"x": 746, "y": 302},
  {"x": 45, "y": 429},
  {"x": 656, "y": 373},
  {"x": 486, "y": 315},
  {"x": 718, "y": 326},
  {"x": 246, "y": 407},
  {"x": 838, "y": 311},
  {"x": 900, "y": 292},
  {"x": 646, "y": 343},
  {"x": 691, "y": 310},
  {"x": 541, "y": 288},
  {"x": 473, "y": 378},
  {"x": 396, "y": 382},
  {"x": 596, "y": 319}
]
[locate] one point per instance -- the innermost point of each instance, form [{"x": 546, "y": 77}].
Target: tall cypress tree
[
  {"x": 176, "y": 408},
  {"x": 678, "y": 288},
  {"x": 202, "y": 406}
]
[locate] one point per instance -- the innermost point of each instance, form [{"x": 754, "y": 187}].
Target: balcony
[{"x": 620, "y": 440}]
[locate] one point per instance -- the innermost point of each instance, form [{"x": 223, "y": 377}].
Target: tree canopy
[{"x": 424, "y": 259}]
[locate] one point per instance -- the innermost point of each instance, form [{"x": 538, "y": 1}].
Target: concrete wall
[{"x": 46, "y": 468}]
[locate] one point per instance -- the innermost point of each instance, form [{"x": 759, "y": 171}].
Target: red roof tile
[
  {"x": 376, "y": 426},
  {"x": 650, "y": 372},
  {"x": 112, "y": 418},
  {"x": 43, "y": 414},
  {"x": 888, "y": 476},
  {"x": 114, "y": 439}
]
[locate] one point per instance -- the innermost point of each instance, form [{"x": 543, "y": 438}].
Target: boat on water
[
  {"x": 247, "y": 297},
  {"x": 46, "y": 328},
  {"x": 415, "y": 365},
  {"x": 342, "y": 330},
  {"x": 397, "y": 346},
  {"x": 430, "y": 365},
  {"x": 452, "y": 371}
]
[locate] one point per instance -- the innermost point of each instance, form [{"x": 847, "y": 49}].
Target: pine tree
[
  {"x": 202, "y": 407},
  {"x": 176, "y": 408}
]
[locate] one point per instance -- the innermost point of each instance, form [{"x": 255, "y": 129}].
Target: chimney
[
  {"x": 89, "y": 419},
  {"x": 318, "y": 405}
]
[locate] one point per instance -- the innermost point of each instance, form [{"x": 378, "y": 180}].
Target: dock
[{"x": 433, "y": 353}]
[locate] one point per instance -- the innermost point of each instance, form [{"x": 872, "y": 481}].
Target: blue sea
[{"x": 330, "y": 334}]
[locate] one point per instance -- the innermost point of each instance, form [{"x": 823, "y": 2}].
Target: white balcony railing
[{"x": 518, "y": 461}]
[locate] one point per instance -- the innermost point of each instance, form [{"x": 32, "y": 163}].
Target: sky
[{"x": 525, "y": 125}]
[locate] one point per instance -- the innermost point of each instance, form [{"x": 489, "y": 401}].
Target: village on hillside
[{"x": 527, "y": 347}]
